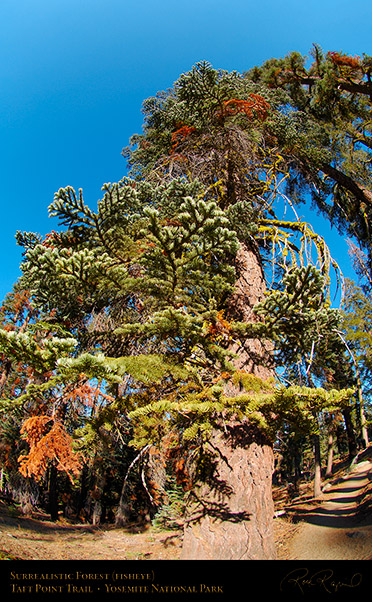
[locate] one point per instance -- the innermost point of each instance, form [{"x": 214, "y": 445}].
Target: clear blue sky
[{"x": 74, "y": 74}]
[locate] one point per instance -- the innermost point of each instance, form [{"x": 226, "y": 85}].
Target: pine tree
[
  {"x": 325, "y": 133},
  {"x": 215, "y": 126},
  {"x": 157, "y": 290}
]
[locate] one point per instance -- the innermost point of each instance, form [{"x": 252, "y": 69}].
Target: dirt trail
[{"x": 335, "y": 527}]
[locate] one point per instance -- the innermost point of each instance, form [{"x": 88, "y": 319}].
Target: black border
[{"x": 137, "y": 580}]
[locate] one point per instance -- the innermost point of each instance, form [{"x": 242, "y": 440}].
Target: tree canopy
[
  {"x": 128, "y": 326},
  {"x": 325, "y": 134}
]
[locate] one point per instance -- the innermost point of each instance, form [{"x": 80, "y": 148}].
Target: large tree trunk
[
  {"x": 230, "y": 511},
  {"x": 7, "y": 366},
  {"x": 362, "y": 417},
  {"x": 230, "y": 514}
]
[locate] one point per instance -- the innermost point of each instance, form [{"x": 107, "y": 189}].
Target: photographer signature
[{"x": 325, "y": 579}]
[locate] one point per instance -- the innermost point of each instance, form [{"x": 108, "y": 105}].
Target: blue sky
[{"x": 74, "y": 74}]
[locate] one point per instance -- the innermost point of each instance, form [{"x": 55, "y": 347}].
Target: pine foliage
[
  {"x": 119, "y": 335},
  {"x": 324, "y": 131}
]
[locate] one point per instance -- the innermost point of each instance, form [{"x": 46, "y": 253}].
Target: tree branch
[{"x": 359, "y": 192}]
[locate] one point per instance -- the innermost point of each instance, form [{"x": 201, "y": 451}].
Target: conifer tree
[
  {"x": 157, "y": 289},
  {"x": 325, "y": 133},
  {"x": 218, "y": 127},
  {"x": 309, "y": 349}
]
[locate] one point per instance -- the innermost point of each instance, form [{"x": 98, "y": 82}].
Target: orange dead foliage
[
  {"x": 48, "y": 440},
  {"x": 255, "y": 106},
  {"x": 343, "y": 60},
  {"x": 219, "y": 327},
  {"x": 51, "y": 239},
  {"x": 181, "y": 134}
]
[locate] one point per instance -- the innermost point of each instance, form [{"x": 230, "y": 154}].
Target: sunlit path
[{"x": 333, "y": 529}]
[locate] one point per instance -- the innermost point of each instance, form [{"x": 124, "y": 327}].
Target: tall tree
[
  {"x": 173, "y": 263},
  {"x": 215, "y": 126},
  {"x": 309, "y": 347}
]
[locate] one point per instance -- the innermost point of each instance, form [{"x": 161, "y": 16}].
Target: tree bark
[
  {"x": 82, "y": 490},
  {"x": 362, "y": 417},
  {"x": 297, "y": 469},
  {"x": 363, "y": 422},
  {"x": 318, "y": 467},
  {"x": 97, "y": 496},
  {"x": 4, "y": 375},
  {"x": 230, "y": 510},
  {"x": 351, "y": 439},
  {"x": 362, "y": 87},
  {"x": 330, "y": 455},
  {"x": 53, "y": 493},
  {"x": 361, "y": 193},
  {"x": 123, "y": 512}
]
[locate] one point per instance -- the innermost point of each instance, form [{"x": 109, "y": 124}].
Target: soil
[
  {"x": 336, "y": 526},
  {"x": 37, "y": 538}
]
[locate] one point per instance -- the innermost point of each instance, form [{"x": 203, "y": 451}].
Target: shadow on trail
[
  {"x": 361, "y": 477},
  {"x": 338, "y": 519},
  {"x": 340, "y": 508},
  {"x": 39, "y": 524}
]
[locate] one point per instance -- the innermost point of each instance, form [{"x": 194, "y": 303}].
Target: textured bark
[
  {"x": 230, "y": 511},
  {"x": 230, "y": 516},
  {"x": 361, "y": 412},
  {"x": 254, "y": 355},
  {"x": 53, "y": 493},
  {"x": 361, "y": 193},
  {"x": 330, "y": 455},
  {"x": 5, "y": 374},
  {"x": 318, "y": 467}
]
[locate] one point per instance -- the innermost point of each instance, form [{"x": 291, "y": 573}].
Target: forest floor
[
  {"x": 336, "y": 526},
  {"x": 37, "y": 538}
]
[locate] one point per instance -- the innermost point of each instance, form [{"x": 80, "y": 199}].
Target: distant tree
[
  {"x": 309, "y": 349},
  {"x": 357, "y": 331},
  {"x": 360, "y": 264}
]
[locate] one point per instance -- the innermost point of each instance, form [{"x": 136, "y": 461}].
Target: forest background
[{"x": 73, "y": 85}]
